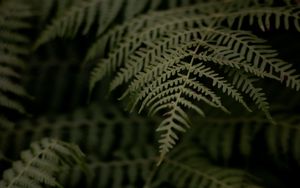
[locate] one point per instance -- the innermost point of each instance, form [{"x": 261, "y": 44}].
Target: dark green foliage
[
  {"x": 132, "y": 160},
  {"x": 39, "y": 164},
  {"x": 188, "y": 168},
  {"x": 225, "y": 136},
  {"x": 14, "y": 20},
  {"x": 223, "y": 71}
]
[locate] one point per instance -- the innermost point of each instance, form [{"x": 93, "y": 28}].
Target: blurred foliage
[{"x": 47, "y": 89}]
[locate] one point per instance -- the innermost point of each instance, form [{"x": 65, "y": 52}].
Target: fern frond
[
  {"x": 283, "y": 141},
  {"x": 45, "y": 9},
  {"x": 173, "y": 94},
  {"x": 39, "y": 165},
  {"x": 189, "y": 168},
  {"x": 9, "y": 60},
  {"x": 14, "y": 18},
  {"x": 151, "y": 25},
  {"x": 224, "y": 137},
  {"x": 212, "y": 14},
  {"x": 7, "y": 86},
  {"x": 5, "y": 123},
  {"x": 262, "y": 57},
  {"x": 69, "y": 23},
  {"x": 167, "y": 22},
  {"x": 83, "y": 15},
  {"x": 174, "y": 122},
  {"x": 8, "y": 72},
  {"x": 86, "y": 127},
  {"x": 11, "y": 104},
  {"x": 127, "y": 168},
  {"x": 263, "y": 17},
  {"x": 169, "y": 57},
  {"x": 219, "y": 82},
  {"x": 218, "y": 135},
  {"x": 246, "y": 84}
]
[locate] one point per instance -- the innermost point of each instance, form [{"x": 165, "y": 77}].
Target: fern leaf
[
  {"x": 79, "y": 15},
  {"x": 8, "y": 72},
  {"x": 9, "y": 60},
  {"x": 219, "y": 136},
  {"x": 86, "y": 127},
  {"x": 131, "y": 166},
  {"x": 14, "y": 18},
  {"x": 282, "y": 141},
  {"x": 169, "y": 126},
  {"x": 255, "y": 52},
  {"x": 198, "y": 14},
  {"x": 45, "y": 9},
  {"x": 189, "y": 169},
  {"x": 5, "y": 123},
  {"x": 262, "y": 16},
  {"x": 11, "y": 104},
  {"x": 257, "y": 95},
  {"x": 8, "y": 86},
  {"x": 169, "y": 56},
  {"x": 85, "y": 14},
  {"x": 38, "y": 165},
  {"x": 148, "y": 55},
  {"x": 218, "y": 81},
  {"x": 152, "y": 23}
]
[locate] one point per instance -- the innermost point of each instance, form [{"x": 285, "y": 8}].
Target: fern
[
  {"x": 278, "y": 139},
  {"x": 245, "y": 82},
  {"x": 171, "y": 60},
  {"x": 197, "y": 14},
  {"x": 125, "y": 170},
  {"x": 160, "y": 57},
  {"x": 81, "y": 12},
  {"x": 187, "y": 167},
  {"x": 86, "y": 127},
  {"x": 130, "y": 165},
  {"x": 13, "y": 20},
  {"x": 120, "y": 159},
  {"x": 182, "y": 169},
  {"x": 224, "y": 137},
  {"x": 46, "y": 9},
  {"x": 85, "y": 14},
  {"x": 82, "y": 15},
  {"x": 39, "y": 164}
]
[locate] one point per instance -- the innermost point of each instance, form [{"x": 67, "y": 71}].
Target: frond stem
[{"x": 175, "y": 104}]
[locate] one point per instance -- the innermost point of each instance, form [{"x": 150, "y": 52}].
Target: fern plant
[
  {"x": 218, "y": 136},
  {"x": 197, "y": 171},
  {"x": 222, "y": 67},
  {"x": 40, "y": 163},
  {"x": 128, "y": 161},
  {"x": 179, "y": 59}
]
